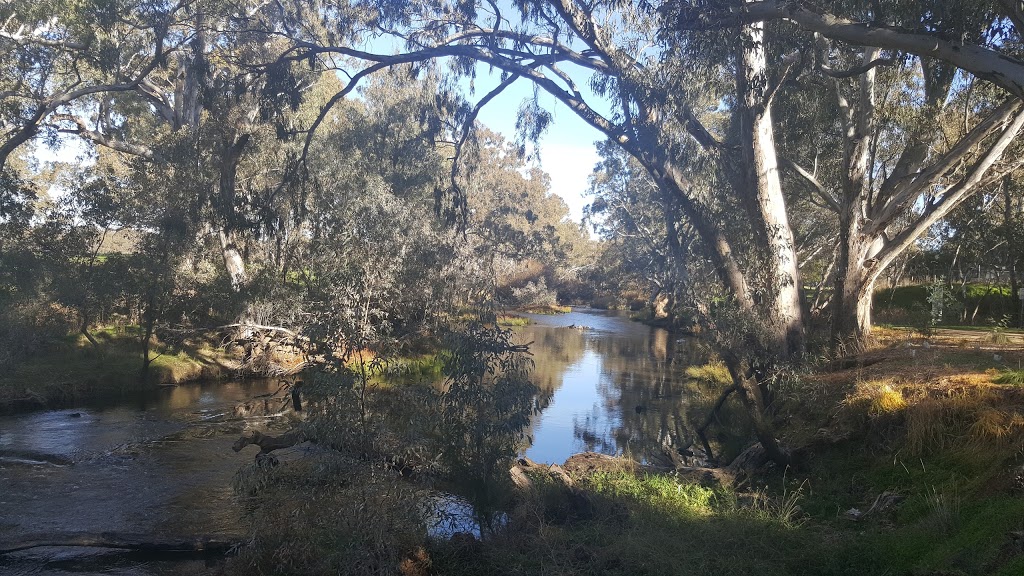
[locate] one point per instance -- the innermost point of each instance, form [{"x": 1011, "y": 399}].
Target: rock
[
  {"x": 75, "y": 415},
  {"x": 559, "y": 474},
  {"x": 884, "y": 502},
  {"x": 586, "y": 463},
  {"x": 707, "y": 477},
  {"x": 519, "y": 478}
]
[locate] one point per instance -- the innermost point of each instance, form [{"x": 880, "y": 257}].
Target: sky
[{"x": 567, "y": 151}]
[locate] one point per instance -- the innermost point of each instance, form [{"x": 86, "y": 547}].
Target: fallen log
[
  {"x": 118, "y": 541},
  {"x": 267, "y": 443}
]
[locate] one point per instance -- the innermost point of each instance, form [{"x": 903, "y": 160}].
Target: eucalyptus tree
[
  {"x": 630, "y": 211},
  {"x": 658, "y": 118},
  {"x": 192, "y": 89},
  {"x": 517, "y": 229},
  {"x": 888, "y": 143},
  {"x": 56, "y": 53}
]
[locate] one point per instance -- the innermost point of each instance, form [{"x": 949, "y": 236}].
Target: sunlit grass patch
[
  {"x": 886, "y": 400},
  {"x": 1012, "y": 377},
  {"x": 660, "y": 491},
  {"x": 876, "y": 398},
  {"x": 75, "y": 369},
  {"x": 548, "y": 309},
  {"x": 512, "y": 320},
  {"x": 713, "y": 372}
]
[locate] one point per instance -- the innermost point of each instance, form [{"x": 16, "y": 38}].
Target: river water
[
  {"x": 608, "y": 384},
  {"x": 159, "y": 464},
  {"x": 162, "y": 464}
]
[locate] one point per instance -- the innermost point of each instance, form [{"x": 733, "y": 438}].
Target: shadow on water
[
  {"x": 159, "y": 464},
  {"x": 610, "y": 385}
]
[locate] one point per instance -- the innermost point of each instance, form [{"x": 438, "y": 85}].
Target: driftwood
[
  {"x": 114, "y": 540},
  {"x": 267, "y": 443}
]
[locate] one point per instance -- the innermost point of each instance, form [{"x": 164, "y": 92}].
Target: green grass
[
  {"x": 1012, "y": 377},
  {"x": 73, "y": 370},
  {"x": 712, "y": 373},
  {"x": 509, "y": 320},
  {"x": 549, "y": 309},
  {"x": 651, "y": 525}
]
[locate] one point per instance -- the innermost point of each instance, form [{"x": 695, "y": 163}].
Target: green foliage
[
  {"x": 533, "y": 295},
  {"x": 327, "y": 514},
  {"x": 1012, "y": 377},
  {"x": 485, "y": 406},
  {"x": 909, "y": 304}
]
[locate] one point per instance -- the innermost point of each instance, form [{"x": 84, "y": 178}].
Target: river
[
  {"x": 161, "y": 464},
  {"x": 608, "y": 384}
]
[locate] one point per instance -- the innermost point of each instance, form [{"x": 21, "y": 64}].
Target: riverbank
[
  {"x": 909, "y": 462},
  {"x": 75, "y": 370}
]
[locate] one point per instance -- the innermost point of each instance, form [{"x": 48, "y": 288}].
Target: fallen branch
[
  {"x": 701, "y": 431},
  {"x": 118, "y": 541}
]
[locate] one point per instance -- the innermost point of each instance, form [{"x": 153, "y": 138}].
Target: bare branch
[{"x": 818, "y": 187}]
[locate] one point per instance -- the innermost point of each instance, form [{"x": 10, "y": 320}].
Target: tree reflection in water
[{"x": 617, "y": 387}]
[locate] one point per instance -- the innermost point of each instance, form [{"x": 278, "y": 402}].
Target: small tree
[{"x": 485, "y": 407}]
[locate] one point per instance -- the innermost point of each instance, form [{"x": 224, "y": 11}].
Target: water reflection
[
  {"x": 615, "y": 386},
  {"x": 157, "y": 464}
]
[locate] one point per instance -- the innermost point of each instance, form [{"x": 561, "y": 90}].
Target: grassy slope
[
  {"x": 74, "y": 370},
  {"x": 930, "y": 425}
]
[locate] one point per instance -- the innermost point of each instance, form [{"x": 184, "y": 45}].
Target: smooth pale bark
[
  {"x": 876, "y": 223},
  {"x": 758, "y": 151},
  {"x": 234, "y": 264},
  {"x": 760, "y": 188}
]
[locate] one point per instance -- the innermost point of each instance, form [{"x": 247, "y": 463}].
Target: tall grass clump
[{"x": 1012, "y": 377}]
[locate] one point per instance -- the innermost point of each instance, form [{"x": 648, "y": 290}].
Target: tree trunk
[
  {"x": 851, "y": 316},
  {"x": 760, "y": 183},
  {"x": 231, "y": 155},
  {"x": 854, "y": 288},
  {"x": 755, "y": 174},
  {"x": 149, "y": 321},
  {"x": 752, "y": 394},
  {"x": 234, "y": 264}
]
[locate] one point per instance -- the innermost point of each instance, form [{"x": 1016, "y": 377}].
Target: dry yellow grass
[{"x": 923, "y": 398}]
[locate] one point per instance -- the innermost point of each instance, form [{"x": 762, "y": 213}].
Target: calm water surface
[
  {"x": 159, "y": 465},
  {"x": 608, "y": 384},
  {"x": 163, "y": 464}
]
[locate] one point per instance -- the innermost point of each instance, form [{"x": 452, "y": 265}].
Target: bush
[
  {"x": 534, "y": 295},
  {"x": 31, "y": 328},
  {"x": 906, "y": 304}
]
